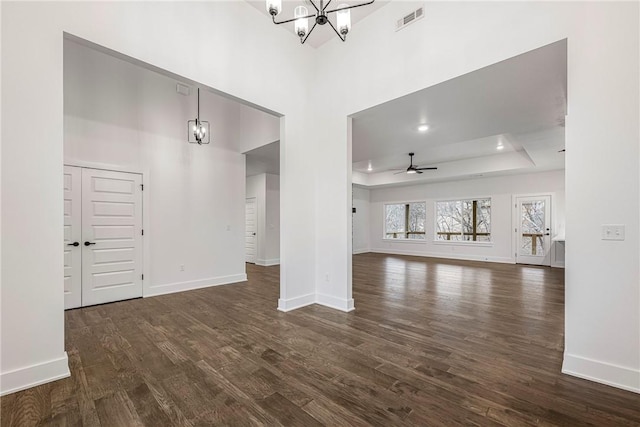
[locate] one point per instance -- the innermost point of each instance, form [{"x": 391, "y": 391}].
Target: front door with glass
[{"x": 533, "y": 230}]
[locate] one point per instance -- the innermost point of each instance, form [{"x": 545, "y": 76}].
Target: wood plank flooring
[{"x": 431, "y": 343}]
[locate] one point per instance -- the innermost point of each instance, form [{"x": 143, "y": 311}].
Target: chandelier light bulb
[
  {"x": 301, "y": 23},
  {"x": 343, "y": 18},
  {"x": 274, "y": 7}
]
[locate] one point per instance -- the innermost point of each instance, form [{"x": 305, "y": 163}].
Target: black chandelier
[
  {"x": 198, "y": 130},
  {"x": 301, "y": 16}
]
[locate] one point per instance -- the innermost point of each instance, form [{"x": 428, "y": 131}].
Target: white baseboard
[
  {"x": 170, "y": 288},
  {"x": 462, "y": 257},
  {"x": 335, "y": 303},
  {"x": 34, "y": 375},
  {"x": 297, "y": 302},
  {"x": 268, "y": 262},
  {"x": 325, "y": 300},
  {"x": 361, "y": 251},
  {"x": 602, "y": 372}
]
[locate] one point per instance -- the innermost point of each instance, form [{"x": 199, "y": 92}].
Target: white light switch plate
[{"x": 613, "y": 232}]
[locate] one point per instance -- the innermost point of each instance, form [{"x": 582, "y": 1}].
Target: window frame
[
  {"x": 384, "y": 222},
  {"x": 461, "y": 242}
]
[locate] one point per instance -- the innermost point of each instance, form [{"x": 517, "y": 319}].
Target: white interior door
[
  {"x": 250, "y": 230},
  {"x": 533, "y": 230},
  {"x": 111, "y": 236},
  {"x": 72, "y": 237}
]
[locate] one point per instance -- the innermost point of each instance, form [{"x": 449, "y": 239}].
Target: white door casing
[
  {"x": 250, "y": 229},
  {"x": 72, "y": 237},
  {"x": 533, "y": 230},
  {"x": 111, "y": 236}
]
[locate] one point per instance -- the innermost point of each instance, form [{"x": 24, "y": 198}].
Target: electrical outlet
[
  {"x": 181, "y": 267},
  {"x": 613, "y": 232}
]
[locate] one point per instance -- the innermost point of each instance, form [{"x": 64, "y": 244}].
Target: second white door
[
  {"x": 111, "y": 236},
  {"x": 250, "y": 230}
]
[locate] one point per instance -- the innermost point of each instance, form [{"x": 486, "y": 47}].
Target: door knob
[
  {"x": 254, "y": 234},
  {"x": 73, "y": 244},
  {"x": 89, "y": 243}
]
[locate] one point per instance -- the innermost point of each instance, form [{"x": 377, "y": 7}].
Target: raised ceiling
[
  {"x": 519, "y": 104},
  {"x": 321, "y": 34}
]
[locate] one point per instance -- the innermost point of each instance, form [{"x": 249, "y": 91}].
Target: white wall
[
  {"x": 201, "y": 42},
  {"x": 265, "y": 187},
  {"x": 123, "y": 117},
  {"x": 361, "y": 228},
  {"x": 501, "y": 191},
  {"x": 378, "y": 64}
]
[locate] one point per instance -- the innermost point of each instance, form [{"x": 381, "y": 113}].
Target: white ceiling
[
  {"x": 265, "y": 159},
  {"x": 321, "y": 34},
  {"x": 519, "y": 103}
]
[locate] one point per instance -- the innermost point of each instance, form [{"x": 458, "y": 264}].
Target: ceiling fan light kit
[{"x": 301, "y": 17}]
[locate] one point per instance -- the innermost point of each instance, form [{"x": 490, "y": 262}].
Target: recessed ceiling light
[
  {"x": 500, "y": 146},
  {"x": 369, "y": 169},
  {"x": 423, "y": 128}
]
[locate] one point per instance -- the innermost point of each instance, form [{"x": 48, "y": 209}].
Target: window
[
  {"x": 405, "y": 221},
  {"x": 464, "y": 220}
]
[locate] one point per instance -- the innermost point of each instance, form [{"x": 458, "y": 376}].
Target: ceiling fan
[{"x": 412, "y": 168}]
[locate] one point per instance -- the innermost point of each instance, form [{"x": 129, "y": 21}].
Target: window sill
[
  {"x": 422, "y": 241},
  {"x": 462, "y": 243}
]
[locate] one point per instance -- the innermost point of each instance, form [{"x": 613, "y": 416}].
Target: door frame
[
  {"x": 515, "y": 221},
  {"x": 144, "y": 173}
]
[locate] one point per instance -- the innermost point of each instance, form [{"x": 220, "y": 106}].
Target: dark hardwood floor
[{"x": 431, "y": 343}]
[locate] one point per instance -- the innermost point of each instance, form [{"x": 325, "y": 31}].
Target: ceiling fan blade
[
  {"x": 427, "y": 169},
  {"x": 402, "y": 171}
]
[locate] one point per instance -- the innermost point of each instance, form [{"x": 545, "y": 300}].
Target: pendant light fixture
[
  {"x": 301, "y": 17},
  {"x": 198, "y": 130}
]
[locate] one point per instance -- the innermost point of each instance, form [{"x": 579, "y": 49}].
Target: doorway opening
[
  {"x": 262, "y": 215},
  {"x": 125, "y": 120}
]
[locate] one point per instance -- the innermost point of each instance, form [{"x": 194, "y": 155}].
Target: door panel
[
  {"x": 250, "y": 230},
  {"x": 72, "y": 233},
  {"x": 112, "y": 225},
  {"x": 533, "y": 230}
]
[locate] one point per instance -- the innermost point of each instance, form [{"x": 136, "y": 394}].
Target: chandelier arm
[
  {"x": 308, "y": 34},
  {"x": 344, "y": 39},
  {"x": 314, "y": 6},
  {"x": 350, "y": 7},
  {"x": 326, "y": 5},
  {"x": 291, "y": 20}
]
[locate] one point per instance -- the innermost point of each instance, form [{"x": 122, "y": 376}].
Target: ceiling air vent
[
  {"x": 183, "y": 89},
  {"x": 410, "y": 18}
]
